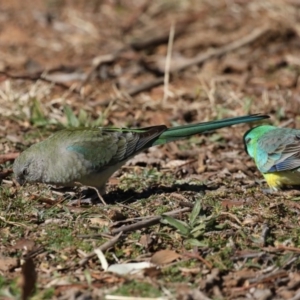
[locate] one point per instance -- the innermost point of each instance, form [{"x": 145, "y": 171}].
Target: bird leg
[{"x": 98, "y": 192}]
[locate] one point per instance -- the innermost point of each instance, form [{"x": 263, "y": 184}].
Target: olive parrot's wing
[
  {"x": 279, "y": 150},
  {"x": 102, "y": 148}
]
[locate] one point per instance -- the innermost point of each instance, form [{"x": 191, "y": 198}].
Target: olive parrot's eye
[
  {"x": 25, "y": 172},
  {"x": 248, "y": 140}
]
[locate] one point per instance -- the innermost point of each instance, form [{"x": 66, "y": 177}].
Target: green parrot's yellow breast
[{"x": 278, "y": 180}]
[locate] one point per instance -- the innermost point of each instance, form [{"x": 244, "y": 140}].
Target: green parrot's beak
[{"x": 21, "y": 180}]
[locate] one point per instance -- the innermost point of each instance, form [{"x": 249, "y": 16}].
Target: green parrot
[
  {"x": 276, "y": 152},
  {"x": 89, "y": 156}
]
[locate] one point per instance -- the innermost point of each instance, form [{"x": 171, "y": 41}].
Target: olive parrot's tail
[{"x": 181, "y": 132}]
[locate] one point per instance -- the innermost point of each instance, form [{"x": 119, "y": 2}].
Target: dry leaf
[
  {"x": 164, "y": 257},
  {"x": 24, "y": 244}
]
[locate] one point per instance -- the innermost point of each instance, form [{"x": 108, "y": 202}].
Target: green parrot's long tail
[{"x": 180, "y": 132}]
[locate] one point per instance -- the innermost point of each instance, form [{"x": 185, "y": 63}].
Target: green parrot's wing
[
  {"x": 102, "y": 148},
  {"x": 279, "y": 150}
]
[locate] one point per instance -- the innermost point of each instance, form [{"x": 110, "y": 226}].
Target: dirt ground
[{"x": 191, "y": 215}]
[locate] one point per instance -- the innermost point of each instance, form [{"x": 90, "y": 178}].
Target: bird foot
[
  {"x": 91, "y": 200},
  {"x": 85, "y": 197}
]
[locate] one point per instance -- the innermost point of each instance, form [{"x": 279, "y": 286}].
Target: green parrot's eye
[
  {"x": 248, "y": 140},
  {"x": 25, "y": 172}
]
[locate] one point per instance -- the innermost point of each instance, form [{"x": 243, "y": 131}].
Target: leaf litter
[{"x": 195, "y": 207}]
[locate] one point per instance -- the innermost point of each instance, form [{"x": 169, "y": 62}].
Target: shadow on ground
[{"x": 89, "y": 197}]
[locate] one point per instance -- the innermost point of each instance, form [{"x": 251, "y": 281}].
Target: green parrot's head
[
  {"x": 252, "y": 136},
  {"x": 28, "y": 166}
]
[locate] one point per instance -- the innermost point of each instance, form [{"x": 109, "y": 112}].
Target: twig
[
  {"x": 138, "y": 225},
  {"x": 93, "y": 236},
  {"x": 103, "y": 247},
  {"x": 145, "y": 86},
  {"x": 149, "y": 222},
  {"x": 249, "y": 255},
  {"x": 168, "y": 63},
  {"x": 287, "y": 248},
  {"x": 269, "y": 277},
  {"x": 245, "y": 40},
  {"x": 129, "y": 220},
  {"x": 98, "y": 194},
  {"x": 199, "y": 257},
  {"x": 13, "y": 223},
  {"x": 225, "y": 213}
]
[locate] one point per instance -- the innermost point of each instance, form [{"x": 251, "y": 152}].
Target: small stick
[
  {"x": 8, "y": 157},
  {"x": 103, "y": 247},
  {"x": 168, "y": 63},
  {"x": 149, "y": 222}
]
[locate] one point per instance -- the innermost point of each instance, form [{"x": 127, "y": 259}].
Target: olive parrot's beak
[{"x": 21, "y": 180}]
